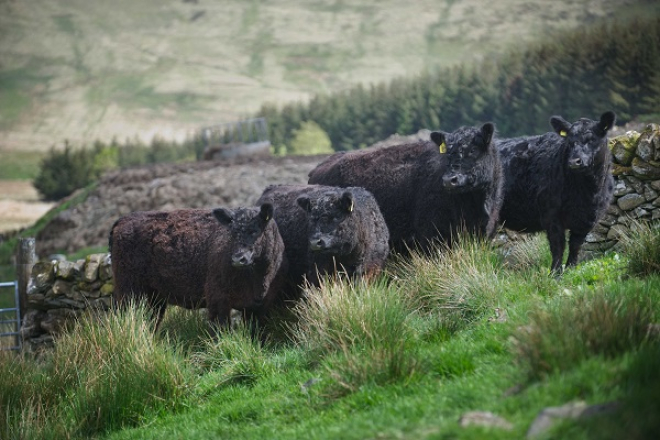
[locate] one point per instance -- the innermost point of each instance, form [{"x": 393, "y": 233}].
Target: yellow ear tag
[
  {"x": 562, "y": 133},
  {"x": 443, "y": 148},
  {"x": 350, "y": 208}
]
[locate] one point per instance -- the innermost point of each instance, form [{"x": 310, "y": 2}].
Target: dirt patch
[{"x": 19, "y": 205}]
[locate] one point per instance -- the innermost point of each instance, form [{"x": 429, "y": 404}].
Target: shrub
[
  {"x": 310, "y": 138},
  {"x": 61, "y": 172}
]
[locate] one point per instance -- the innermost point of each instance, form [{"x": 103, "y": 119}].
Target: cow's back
[{"x": 164, "y": 252}]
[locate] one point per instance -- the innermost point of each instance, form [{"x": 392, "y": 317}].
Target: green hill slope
[{"x": 85, "y": 70}]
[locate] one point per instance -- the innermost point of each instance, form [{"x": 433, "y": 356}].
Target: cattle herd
[{"x": 361, "y": 205}]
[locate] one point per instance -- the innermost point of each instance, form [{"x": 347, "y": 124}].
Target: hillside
[{"x": 82, "y": 71}]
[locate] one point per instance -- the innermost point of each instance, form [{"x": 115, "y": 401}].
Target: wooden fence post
[{"x": 25, "y": 259}]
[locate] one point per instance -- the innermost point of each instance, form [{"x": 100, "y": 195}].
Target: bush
[
  {"x": 310, "y": 138},
  {"x": 63, "y": 171}
]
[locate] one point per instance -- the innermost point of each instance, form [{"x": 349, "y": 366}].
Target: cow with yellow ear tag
[
  {"x": 428, "y": 191},
  {"x": 558, "y": 181}
]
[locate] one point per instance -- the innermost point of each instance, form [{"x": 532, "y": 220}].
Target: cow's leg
[
  {"x": 219, "y": 313},
  {"x": 557, "y": 239},
  {"x": 574, "y": 245}
]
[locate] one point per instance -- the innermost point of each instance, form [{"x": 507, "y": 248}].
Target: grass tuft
[
  {"x": 459, "y": 285},
  {"x": 605, "y": 322},
  {"x": 235, "y": 352},
  {"x": 361, "y": 329},
  {"x": 108, "y": 372},
  {"x": 642, "y": 246}
]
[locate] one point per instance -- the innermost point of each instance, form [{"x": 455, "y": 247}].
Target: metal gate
[{"x": 10, "y": 320}]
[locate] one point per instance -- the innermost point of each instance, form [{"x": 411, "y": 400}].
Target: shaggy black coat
[
  {"x": 220, "y": 259},
  {"x": 328, "y": 229},
  {"x": 558, "y": 181},
  {"x": 427, "y": 191}
]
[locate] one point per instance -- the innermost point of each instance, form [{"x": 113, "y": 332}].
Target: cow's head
[
  {"x": 586, "y": 140},
  {"x": 468, "y": 151},
  {"x": 331, "y": 229},
  {"x": 248, "y": 232}
]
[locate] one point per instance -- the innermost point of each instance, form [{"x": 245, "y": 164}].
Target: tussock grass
[
  {"x": 605, "y": 322},
  {"x": 236, "y": 354},
  {"x": 458, "y": 285},
  {"x": 642, "y": 246},
  {"x": 361, "y": 330},
  {"x": 106, "y": 373}
]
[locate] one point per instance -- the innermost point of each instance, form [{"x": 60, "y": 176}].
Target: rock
[
  {"x": 58, "y": 320},
  {"x": 623, "y": 147},
  {"x": 645, "y": 170},
  {"x": 92, "y": 264},
  {"x": 66, "y": 270},
  {"x": 630, "y": 201},
  {"x": 105, "y": 269},
  {"x": 616, "y": 232},
  {"x": 594, "y": 237},
  {"x": 655, "y": 185},
  {"x": 648, "y": 144},
  {"x": 551, "y": 415},
  {"x": 636, "y": 184},
  {"x": 484, "y": 418},
  {"x": 620, "y": 170},
  {"x": 62, "y": 288},
  {"x": 548, "y": 417},
  {"x": 621, "y": 189},
  {"x": 43, "y": 275}
]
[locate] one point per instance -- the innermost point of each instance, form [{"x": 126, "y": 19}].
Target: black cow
[
  {"x": 327, "y": 229},
  {"x": 558, "y": 181},
  {"x": 426, "y": 190}
]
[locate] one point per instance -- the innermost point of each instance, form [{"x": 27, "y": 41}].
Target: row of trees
[
  {"x": 579, "y": 74},
  {"x": 63, "y": 170}
]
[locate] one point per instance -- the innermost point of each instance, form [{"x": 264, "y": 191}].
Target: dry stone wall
[
  {"x": 59, "y": 292},
  {"x": 636, "y": 172}
]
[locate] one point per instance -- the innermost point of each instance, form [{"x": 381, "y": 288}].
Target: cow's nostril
[{"x": 454, "y": 180}]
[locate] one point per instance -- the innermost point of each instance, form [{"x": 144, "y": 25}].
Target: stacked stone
[
  {"x": 636, "y": 172},
  {"x": 59, "y": 292}
]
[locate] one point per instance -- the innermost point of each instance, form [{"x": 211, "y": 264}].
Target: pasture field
[{"x": 407, "y": 355}]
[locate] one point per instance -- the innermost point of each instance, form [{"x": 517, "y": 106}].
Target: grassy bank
[{"x": 405, "y": 356}]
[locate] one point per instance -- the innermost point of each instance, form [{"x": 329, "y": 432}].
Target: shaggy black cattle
[
  {"x": 327, "y": 229},
  {"x": 220, "y": 259},
  {"x": 426, "y": 190},
  {"x": 558, "y": 181}
]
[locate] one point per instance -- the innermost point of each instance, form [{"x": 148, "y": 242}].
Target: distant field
[{"x": 83, "y": 70}]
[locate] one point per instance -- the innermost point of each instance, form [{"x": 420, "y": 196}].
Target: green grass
[
  {"x": 402, "y": 356},
  {"x": 20, "y": 165}
]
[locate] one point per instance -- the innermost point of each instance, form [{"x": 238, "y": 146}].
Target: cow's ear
[
  {"x": 266, "y": 212},
  {"x": 438, "y": 138},
  {"x": 304, "y": 203},
  {"x": 485, "y": 136},
  {"x": 223, "y": 215},
  {"x": 607, "y": 120},
  {"x": 560, "y": 125},
  {"x": 347, "y": 201}
]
